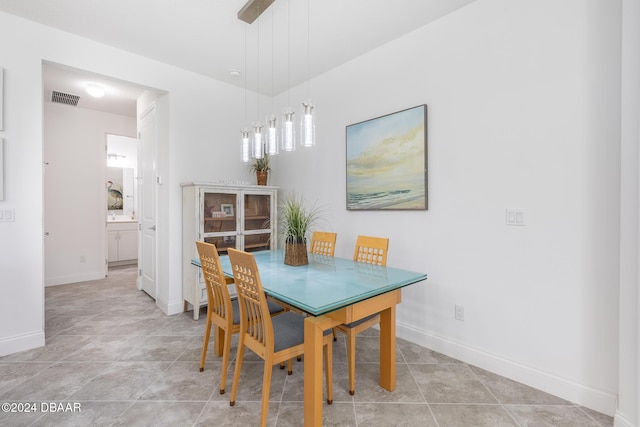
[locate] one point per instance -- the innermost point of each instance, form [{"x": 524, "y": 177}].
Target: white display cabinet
[{"x": 229, "y": 216}]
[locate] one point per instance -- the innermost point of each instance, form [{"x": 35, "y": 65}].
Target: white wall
[
  {"x": 200, "y": 121},
  {"x": 74, "y": 195},
  {"x": 523, "y": 112},
  {"x": 629, "y": 363}
]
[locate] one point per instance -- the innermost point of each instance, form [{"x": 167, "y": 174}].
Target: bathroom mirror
[{"x": 120, "y": 182}]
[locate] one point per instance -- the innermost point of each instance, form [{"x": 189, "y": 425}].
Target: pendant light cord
[
  {"x": 258, "y": 74},
  {"x": 308, "y": 50},
  {"x": 245, "y": 75},
  {"x": 272, "y": 67},
  {"x": 289, "y": 52}
]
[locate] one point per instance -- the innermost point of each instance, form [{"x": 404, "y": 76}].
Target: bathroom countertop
[{"x": 120, "y": 218}]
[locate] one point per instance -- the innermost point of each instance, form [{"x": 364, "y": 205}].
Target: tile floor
[{"x": 111, "y": 351}]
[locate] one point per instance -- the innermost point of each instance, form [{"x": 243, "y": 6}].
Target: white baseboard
[
  {"x": 175, "y": 307},
  {"x": 21, "y": 343},
  {"x": 621, "y": 421},
  {"x": 55, "y": 281},
  {"x": 580, "y": 394},
  {"x": 170, "y": 308}
]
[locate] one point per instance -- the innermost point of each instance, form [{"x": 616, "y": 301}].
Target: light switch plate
[
  {"x": 515, "y": 217},
  {"x": 6, "y": 214}
]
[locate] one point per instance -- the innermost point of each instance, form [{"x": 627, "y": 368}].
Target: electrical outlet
[{"x": 459, "y": 312}]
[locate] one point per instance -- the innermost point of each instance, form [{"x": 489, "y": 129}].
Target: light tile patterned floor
[{"x": 112, "y": 351}]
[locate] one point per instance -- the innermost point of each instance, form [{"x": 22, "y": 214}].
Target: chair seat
[
  {"x": 359, "y": 322},
  {"x": 288, "y": 330}
]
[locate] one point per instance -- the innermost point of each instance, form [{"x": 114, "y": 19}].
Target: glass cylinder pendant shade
[
  {"x": 288, "y": 132},
  {"x": 246, "y": 149},
  {"x": 258, "y": 148},
  {"x": 307, "y": 125},
  {"x": 272, "y": 136}
]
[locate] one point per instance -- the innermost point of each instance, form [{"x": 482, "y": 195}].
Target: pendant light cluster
[{"x": 269, "y": 139}]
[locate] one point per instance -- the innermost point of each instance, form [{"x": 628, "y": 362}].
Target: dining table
[{"x": 333, "y": 291}]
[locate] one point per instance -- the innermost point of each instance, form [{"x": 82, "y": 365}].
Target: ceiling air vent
[{"x": 64, "y": 98}]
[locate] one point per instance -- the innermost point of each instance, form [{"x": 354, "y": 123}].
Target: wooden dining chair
[
  {"x": 221, "y": 309},
  {"x": 323, "y": 243},
  {"x": 369, "y": 250},
  {"x": 274, "y": 340}
]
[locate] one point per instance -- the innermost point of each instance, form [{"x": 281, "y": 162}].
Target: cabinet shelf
[
  {"x": 257, "y": 245},
  {"x": 233, "y": 218}
]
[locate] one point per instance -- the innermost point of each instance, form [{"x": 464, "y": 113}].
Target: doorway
[{"x": 74, "y": 147}]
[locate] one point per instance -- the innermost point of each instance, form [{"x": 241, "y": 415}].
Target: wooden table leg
[
  {"x": 388, "y": 348},
  {"x": 314, "y": 328},
  {"x": 312, "y": 373}
]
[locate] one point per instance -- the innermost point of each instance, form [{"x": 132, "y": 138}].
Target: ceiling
[{"x": 293, "y": 39}]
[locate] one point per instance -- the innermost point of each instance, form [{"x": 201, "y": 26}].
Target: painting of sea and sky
[{"x": 387, "y": 162}]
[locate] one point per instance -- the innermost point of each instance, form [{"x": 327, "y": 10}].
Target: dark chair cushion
[
  {"x": 236, "y": 311},
  {"x": 288, "y": 330}
]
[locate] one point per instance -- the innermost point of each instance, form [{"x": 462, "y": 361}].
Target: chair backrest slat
[
  {"x": 219, "y": 299},
  {"x": 371, "y": 250},
  {"x": 323, "y": 243},
  {"x": 254, "y": 310}
]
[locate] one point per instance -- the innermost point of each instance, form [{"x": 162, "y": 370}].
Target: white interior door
[{"x": 147, "y": 205}]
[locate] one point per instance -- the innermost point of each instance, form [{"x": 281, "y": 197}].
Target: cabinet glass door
[
  {"x": 257, "y": 225},
  {"x": 219, "y": 219}
]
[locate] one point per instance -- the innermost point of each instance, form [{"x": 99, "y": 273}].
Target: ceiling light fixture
[
  {"x": 268, "y": 143},
  {"x": 272, "y": 130},
  {"x": 95, "y": 90},
  {"x": 307, "y": 122},
  {"x": 244, "y": 134},
  {"x": 288, "y": 130},
  {"x": 258, "y": 147}
]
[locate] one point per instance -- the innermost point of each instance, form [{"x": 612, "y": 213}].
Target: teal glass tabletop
[{"x": 325, "y": 284}]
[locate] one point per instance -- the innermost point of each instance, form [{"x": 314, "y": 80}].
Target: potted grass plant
[
  {"x": 296, "y": 220},
  {"x": 261, "y": 167}
]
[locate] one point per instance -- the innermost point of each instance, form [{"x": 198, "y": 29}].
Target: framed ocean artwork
[{"x": 387, "y": 162}]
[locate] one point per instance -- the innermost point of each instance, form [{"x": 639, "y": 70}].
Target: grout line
[{"x": 493, "y": 395}]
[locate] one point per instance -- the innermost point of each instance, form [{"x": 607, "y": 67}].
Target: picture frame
[
  {"x": 227, "y": 209},
  {"x": 386, "y": 162},
  {"x": 115, "y": 189}
]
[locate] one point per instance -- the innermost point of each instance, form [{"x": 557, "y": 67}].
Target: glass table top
[{"x": 326, "y": 283}]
